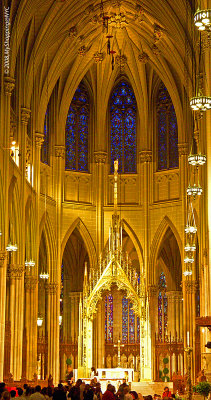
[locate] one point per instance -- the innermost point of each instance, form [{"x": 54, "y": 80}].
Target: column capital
[
  {"x": 152, "y": 290},
  {"x": 3, "y": 256},
  {"x": 100, "y": 157},
  {"x": 183, "y": 149},
  {"x": 52, "y": 287},
  {"x": 16, "y": 271},
  {"x": 39, "y": 139},
  {"x": 9, "y": 84},
  {"x": 30, "y": 283},
  {"x": 145, "y": 156},
  {"x": 190, "y": 286},
  {"x": 59, "y": 151},
  {"x": 25, "y": 115}
]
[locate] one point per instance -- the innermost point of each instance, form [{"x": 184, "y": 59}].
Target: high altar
[{"x": 113, "y": 269}]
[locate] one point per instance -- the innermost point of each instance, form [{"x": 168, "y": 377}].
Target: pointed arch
[
  {"x": 47, "y": 229},
  {"x": 78, "y": 223},
  {"x": 155, "y": 246},
  {"x": 135, "y": 241}
]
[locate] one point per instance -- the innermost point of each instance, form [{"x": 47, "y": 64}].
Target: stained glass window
[
  {"x": 45, "y": 145},
  {"x": 123, "y": 128},
  {"x": 124, "y": 320},
  {"x": 76, "y": 132},
  {"x": 162, "y": 306},
  {"x": 109, "y": 318},
  {"x": 167, "y": 131},
  {"x": 129, "y": 323}
]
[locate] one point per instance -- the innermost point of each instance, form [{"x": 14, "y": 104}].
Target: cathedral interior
[{"x": 105, "y": 263}]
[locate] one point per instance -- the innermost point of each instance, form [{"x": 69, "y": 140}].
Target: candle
[{"x": 188, "y": 338}]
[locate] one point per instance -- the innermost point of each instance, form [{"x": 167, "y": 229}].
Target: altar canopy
[{"x": 113, "y": 270}]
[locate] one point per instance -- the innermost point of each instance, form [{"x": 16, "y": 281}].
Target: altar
[{"x": 116, "y": 373}]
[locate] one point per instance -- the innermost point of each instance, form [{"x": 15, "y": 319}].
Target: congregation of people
[{"x": 78, "y": 391}]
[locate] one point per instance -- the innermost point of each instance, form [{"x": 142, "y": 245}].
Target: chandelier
[
  {"x": 188, "y": 260},
  {"x": 12, "y": 247},
  {"x": 200, "y": 103},
  {"x": 194, "y": 190},
  {"x": 29, "y": 263},
  {"x": 189, "y": 247},
  {"x": 44, "y": 275},
  {"x": 202, "y": 20},
  {"x": 39, "y": 321},
  {"x": 188, "y": 272},
  {"x": 197, "y": 159}
]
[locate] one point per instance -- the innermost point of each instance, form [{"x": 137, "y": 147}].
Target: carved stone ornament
[
  {"x": 30, "y": 283},
  {"x": 16, "y": 271},
  {"x": 155, "y": 50},
  {"x": 82, "y": 51},
  {"x": 100, "y": 157},
  {"x": 25, "y": 115},
  {"x": 39, "y": 139},
  {"x": 121, "y": 61},
  {"x": 73, "y": 32},
  {"x": 143, "y": 57},
  {"x": 59, "y": 151},
  {"x": 9, "y": 84},
  {"x": 98, "y": 57},
  {"x": 145, "y": 156},
  {"x": 158, "y": 33},
  {"x": 3, "y": 256},
  {"x": 190, "y": 286},
  {"x": 152, "y": 290},
  {"x": 52, "y": 287},
  {"x": 183, "y": 149}
]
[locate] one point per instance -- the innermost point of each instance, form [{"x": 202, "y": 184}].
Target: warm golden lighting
[
  {"x": 189, "y": 247},
  {"x": 12, "y": 247},
  {"x": 197, "y": 159},
  {"x": 200, "y": 103},
  {"x": 202, "y": 19}
]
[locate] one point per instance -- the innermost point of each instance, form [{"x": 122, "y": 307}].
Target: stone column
[
  {"x": 3, "y": 267},
  {"x": 153, "y": 307},
  {"x": 31, "y": 292},
  {"x": 100, "y": 159},
  {"x": 9, "y": 84},
  {"x": 16, "y": 318},
  {"x": 53, "y": 330}
]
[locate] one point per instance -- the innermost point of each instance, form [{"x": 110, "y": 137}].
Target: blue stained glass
[
  {"x": 173, "y": 140},
  {"x": 77, "y": 132},
  {"x": 167, "y": 131},
  {"x": 45, "y": 145},
  {"x": 123, "y": 128},
  {"x": 109, "y": 318},
  {"x": 124, "y": 320},
  {"x": 162, "y": 306},
  {"x": 131, "y": 324}
]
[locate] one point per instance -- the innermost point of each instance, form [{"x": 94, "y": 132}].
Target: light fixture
[
  {"x": 187, "y": 273},
  {"x": 39, "y": 321},
  {"x": 12, "y": 247},
  {"x": 197, "y": 159},
  {"x": 188, "y": 260},
  {"x": 44, "y": 275},
  {"x": 200, "y": 103},
  {"x": 190, "y": 229},
  {"x": 60, "y": 319},
  {"x": 202, "y": 19},
  {"x": 29, "y": 263},
  {"x": 189, "y": 247},
  {"x": 195, "y": 190},
  {"x": 0, "y": 233}
]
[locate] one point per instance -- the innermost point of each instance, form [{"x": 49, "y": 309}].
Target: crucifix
[{"x": 118, "y": 349}]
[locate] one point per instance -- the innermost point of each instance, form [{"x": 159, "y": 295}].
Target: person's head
[
  {"x": 88, "y": 394},
  {"x": 5, "y": 395},
  {"x": 134, "y": 394},
  {"x": 123, "y": 380},
  {"x": 12, "y": 394},
  {"x": 44, "y": 391},
  {"x": 37, "y": 388},
  {"x": 109, "y": 387},
  {"x": 79, "y": 382},
  {"x": 60, "y": 386},
  {"x": 126, "y": 389},
  {"x": 20, "y": 391},
  {"x": 25, "y": 386}
]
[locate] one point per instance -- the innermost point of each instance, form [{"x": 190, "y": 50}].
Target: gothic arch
[
  {"x": 135, "y": 241},
  {"x": 78, "y": 223},
  {"x": 155, "y": 246},
  {"x": 47, "y": 229}
]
